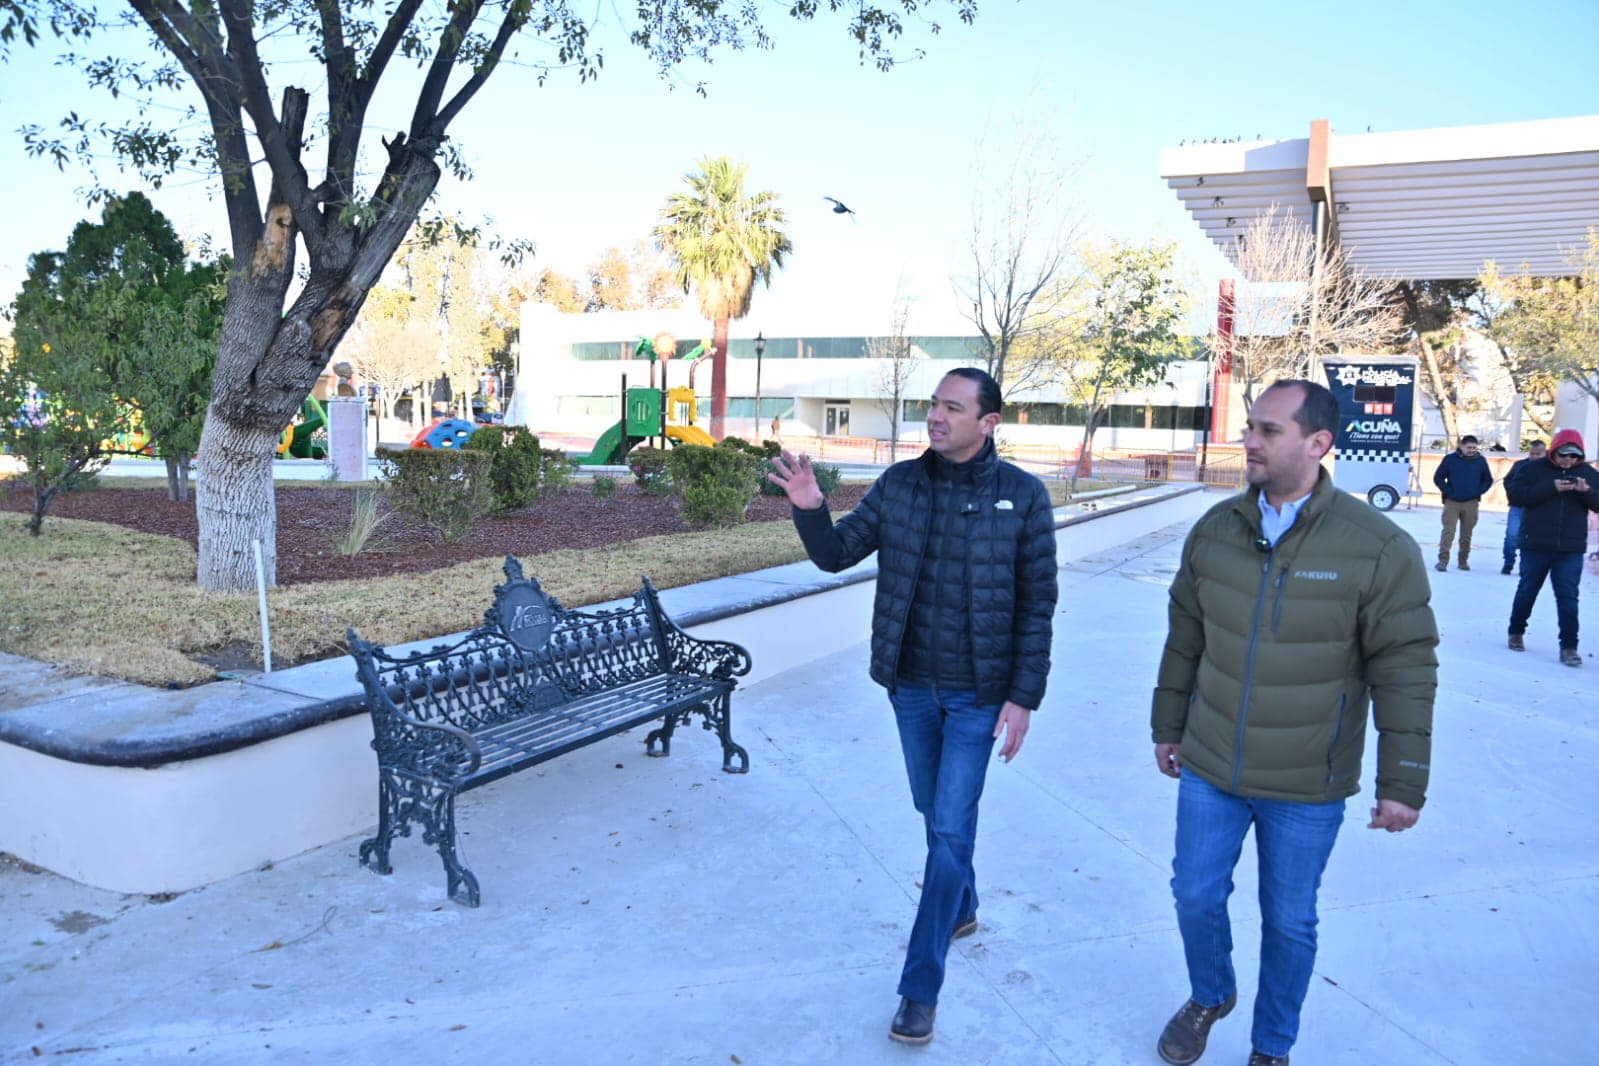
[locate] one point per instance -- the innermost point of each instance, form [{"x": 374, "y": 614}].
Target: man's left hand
[
  {"x": 1392, "y": 816},
  {"x": 1013, "y": 722}
]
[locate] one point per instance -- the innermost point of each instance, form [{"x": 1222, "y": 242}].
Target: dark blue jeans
[
  {"x": 947, "y": 738},
  {"x": 1564, "y": 571},
  {"x": 1292, "y": 842},
  {"x": 1512, "y": 534}
]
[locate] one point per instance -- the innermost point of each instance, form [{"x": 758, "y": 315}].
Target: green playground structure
[
  {"x": 298, "y": 440},
  {"x": 642, "y": 412}
]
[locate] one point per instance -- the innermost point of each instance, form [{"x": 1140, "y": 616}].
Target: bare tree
[
  {"x": 1288, "y": 312},
  {"x": 1018, "y": 255},
  {"x": 392, "y": 347},
  {"x": 897, "y": 359}
]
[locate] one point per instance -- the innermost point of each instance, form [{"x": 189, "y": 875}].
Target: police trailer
[{"x": 1376, "y": 399}]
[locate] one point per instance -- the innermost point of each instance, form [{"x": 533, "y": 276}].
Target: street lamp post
[{"x": 760, "y": 349}]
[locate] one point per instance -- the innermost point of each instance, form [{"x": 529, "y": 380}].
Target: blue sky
[{"x": 575, "y": 167}]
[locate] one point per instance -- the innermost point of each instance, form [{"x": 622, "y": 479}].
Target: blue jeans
[
  {"x": 947, "y": 738},
  {"x": 1564, "y": 571},
  {"x": 1293, "y": 841},
  {"x": 1512, "y": 535}
]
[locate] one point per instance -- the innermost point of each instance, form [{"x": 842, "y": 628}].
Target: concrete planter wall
[{"x": 143, "y": 792}]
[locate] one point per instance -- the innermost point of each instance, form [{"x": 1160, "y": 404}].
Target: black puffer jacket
[
  {"x": 1551, "y": 520},
  {"x": 1011, "y": 568}
]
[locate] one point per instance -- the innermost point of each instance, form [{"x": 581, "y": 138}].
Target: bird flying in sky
[{"x": 838, "y": 206}]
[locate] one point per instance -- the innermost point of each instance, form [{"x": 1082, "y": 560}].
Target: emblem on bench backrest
[{"x": 521, "y": 611}]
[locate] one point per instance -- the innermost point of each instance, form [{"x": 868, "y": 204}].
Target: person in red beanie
[{"x": 1556, "y": 496}]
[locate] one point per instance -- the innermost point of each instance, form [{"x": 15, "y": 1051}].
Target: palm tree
[{"x": 722, "y": 242}]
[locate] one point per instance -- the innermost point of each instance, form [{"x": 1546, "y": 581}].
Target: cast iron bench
[{"x": 534, "y": 682}]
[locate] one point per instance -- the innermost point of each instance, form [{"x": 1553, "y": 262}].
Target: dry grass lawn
[{"x": 101, "y": 599}]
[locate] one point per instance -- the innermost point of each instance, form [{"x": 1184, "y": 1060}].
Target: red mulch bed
[{"x": 310, "y": 519}]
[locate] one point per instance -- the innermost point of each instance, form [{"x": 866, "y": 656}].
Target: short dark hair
[
  {"x": 1531, "y": 444},
  {"x": 987, "y": 388},
  {"x": 1318, "y": 409},
  {"x": 1468, "y": 439}
]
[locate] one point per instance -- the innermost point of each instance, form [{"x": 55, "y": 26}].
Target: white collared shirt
[{"x": 1274, "y": 522}]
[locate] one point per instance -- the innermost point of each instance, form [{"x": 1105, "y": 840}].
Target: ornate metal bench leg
[
  {"x": 374, "y": 852},
  {"x": 664, "y": 735},
  {"x": 724, "y": 730},
  {"x": 439, "y": 829}
]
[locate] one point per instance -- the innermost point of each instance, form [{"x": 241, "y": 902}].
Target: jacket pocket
[{"x": 1338, "y": 731}]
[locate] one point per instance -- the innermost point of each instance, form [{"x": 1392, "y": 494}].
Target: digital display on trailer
[{"x": 1375, "y": 405}]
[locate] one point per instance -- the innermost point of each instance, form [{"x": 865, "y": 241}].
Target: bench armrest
[
  {"x": 429, "y": 749},
  {"x": 721, "y": 659}
]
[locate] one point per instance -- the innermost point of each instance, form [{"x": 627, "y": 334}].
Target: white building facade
[{"x": 817, "y": 378}]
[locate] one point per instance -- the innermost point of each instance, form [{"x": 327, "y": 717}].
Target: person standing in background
[
  {"x": 1462, "y": 478},
  {"x": 1536, "y": 451}
]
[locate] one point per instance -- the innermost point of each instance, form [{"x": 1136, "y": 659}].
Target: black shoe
[
  {"x": 1183, "y": 1039},
  {"x": 1507, "y": 568},
  {"x": 913, "y": 1022},
  {"x": 964, "y": 928},
  {"x": 1440, "y": 567},
  {"x": 1463, "y": 565},
  {"x": 1257, "y": 1058}
]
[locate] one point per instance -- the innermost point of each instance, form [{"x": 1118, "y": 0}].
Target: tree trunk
[
  {"x": 235, "y": 502},
  {"x": 1440, "y": 393},
  {"x": 719, "y": 378},
  {"x": 178, "y": 477},
  {"x": 1545, "y": 425}
]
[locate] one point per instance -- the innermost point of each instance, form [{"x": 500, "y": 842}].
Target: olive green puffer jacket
[{"x": 1274, "y": 656}]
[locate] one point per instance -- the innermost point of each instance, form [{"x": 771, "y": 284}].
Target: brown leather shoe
[
  {"x": 1570, "y": 657},
  {"x": 1516, "y": 643},
  {"x": 1463, "y": 565},
  {"x": 1256, "y": 1058},
  {"x": 1183, "y": 1039}
]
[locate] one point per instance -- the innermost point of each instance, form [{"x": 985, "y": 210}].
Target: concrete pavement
[{"x": 659, "y": 911}]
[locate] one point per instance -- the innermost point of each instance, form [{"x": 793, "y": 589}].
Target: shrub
[
  {"x": 555, "y": 471},
  {"x": 366, "y": 518},
  {"x": 828, "y": 477},
  {"x": 446, "y": 489},
  {"x": 516, "y": 465},
  {"x": 603, "y": 486},
  {"x": 716, "y": 484},
  {"x": 649, "y": 470}
]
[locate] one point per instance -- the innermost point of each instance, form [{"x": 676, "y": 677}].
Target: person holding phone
[{"x": 1556, "y": 496}]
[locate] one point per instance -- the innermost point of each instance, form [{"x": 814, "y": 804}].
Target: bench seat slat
[{"x": 521, "y": 742}]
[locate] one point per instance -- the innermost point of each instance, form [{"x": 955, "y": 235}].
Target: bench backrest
[{"x": 509, "y": 666}]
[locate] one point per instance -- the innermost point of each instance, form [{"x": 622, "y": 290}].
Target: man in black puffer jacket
[
  {"x": 961, "y": 630},
  {"x": 1555, "y": 494}
]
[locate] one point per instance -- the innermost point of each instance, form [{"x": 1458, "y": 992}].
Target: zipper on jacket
[
  {"x": 1277, "y": 609},
  {"x": 1338, "y": 729},
  {"x": 1249, "y": 668}
]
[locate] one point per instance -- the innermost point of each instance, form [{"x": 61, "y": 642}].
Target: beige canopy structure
[
  {"x": 1421, "y": 205},
  {"x": 1416, "y": 204}
]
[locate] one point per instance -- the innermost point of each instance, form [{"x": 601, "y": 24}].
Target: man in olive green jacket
[{"x": 1296, "y": 606}]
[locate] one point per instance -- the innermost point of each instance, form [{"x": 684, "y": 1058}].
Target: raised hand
[{"x": 796, "y": 478}]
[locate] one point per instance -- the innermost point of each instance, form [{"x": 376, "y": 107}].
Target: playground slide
[
  {"x": 612, "y": 447},
  {"x": 690, "y": 435},
  {"x": 609, "y": 449}
]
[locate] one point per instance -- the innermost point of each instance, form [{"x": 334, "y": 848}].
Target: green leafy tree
[
  {"x": 283, "y": 321},
  {"x": 116, "y": 336},
  {"x": 1549, "y": 327},
  {"x": 721, "y": 243},
  {"x": 1122, "y": 331},
  {"x": 1433, "y": 314}
]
